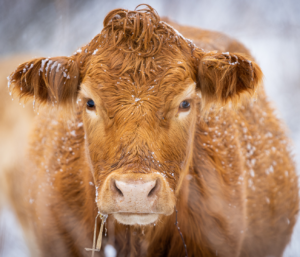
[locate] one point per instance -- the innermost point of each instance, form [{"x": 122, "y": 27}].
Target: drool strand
[{"x": 178, "y": 228}]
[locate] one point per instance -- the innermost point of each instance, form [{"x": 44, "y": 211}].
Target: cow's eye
[
  {"x": 184, "y": 106},
  {"x": 90, "y": 104}
]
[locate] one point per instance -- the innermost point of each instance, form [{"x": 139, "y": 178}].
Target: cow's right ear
[{"x": 47, "y": 80}]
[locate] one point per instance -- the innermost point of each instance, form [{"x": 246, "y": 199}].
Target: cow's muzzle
[{"x": 136, "y": 198}]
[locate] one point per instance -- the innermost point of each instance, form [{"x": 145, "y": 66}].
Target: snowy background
[{"x": 270, "y": 29}]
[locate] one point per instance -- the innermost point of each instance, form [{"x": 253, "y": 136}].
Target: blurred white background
[{"x": 270, "y": 29}]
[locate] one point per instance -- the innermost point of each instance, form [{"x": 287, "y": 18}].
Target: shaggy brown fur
[{"x": 230, "y": 169}]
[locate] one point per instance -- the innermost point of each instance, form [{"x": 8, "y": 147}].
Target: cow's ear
[
  {"x": 225, "y": 77},
  {"x": 47, "y": 80}
]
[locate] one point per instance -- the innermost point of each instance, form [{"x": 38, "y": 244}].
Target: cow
[{"x": 171, "y": 140}]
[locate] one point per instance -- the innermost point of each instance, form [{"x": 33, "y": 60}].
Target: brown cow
[{"x": 159, "y": 130}]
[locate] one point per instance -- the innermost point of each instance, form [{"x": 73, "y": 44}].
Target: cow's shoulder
[{"x": 209, "y": 40}]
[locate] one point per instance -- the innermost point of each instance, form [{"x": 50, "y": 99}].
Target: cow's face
[
  {"x": 138, "y": 87},
  {"x": 139, "y": 138}
]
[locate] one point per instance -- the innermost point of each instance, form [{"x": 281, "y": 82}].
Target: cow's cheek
[
  {"x": 189, "y": 129},
  {"x": 94, "y": 142}
]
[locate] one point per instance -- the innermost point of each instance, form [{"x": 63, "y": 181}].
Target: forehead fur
[{"x": 136, "y": 44}]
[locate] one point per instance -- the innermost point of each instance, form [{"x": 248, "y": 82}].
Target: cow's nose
[
  {"x": 136, "y": 189},
  {"x": 134, "y": 193},
  {"x": 135, "y": 196}
]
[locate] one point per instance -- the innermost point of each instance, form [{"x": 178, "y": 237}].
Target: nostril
[
  {"x": 154, "y": 189},
  {"x": 118, "y": 190}
]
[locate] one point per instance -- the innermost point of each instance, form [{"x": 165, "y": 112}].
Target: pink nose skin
[
  {"x": 139, "y": 195},
  {"x": 135, "y": 196}
]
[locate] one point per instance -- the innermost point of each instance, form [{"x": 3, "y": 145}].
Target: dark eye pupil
[
  {"x": 184, "y": 105},
  {"x": 90, "y": 103}
]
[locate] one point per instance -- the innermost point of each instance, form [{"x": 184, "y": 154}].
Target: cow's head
[{"x": 141, "y": 87}]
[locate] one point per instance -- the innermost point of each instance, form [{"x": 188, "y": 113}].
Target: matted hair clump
[{"x": 141, "y": 29}]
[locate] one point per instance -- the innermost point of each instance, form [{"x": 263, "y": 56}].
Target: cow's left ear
[
  {"x": 225, "y": 77},
  {"x": 47, "y": 80}
]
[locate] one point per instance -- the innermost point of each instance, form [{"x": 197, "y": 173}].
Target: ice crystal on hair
[{"x": 42, "y": 65}]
